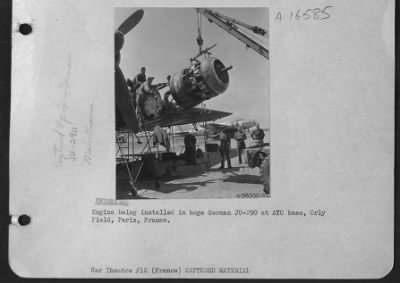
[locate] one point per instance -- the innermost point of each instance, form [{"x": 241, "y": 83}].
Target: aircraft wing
[
  {"x": 178, "y": 117},
  {"x": 215, "y": 127}
]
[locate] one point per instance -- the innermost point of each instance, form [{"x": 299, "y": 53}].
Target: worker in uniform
[
  {"x": 190, "y": 149},
  {"x": 240, "y": 138},
  {"x": 258, "y": 136},
  {"x": 160, "y": 137},
  {"x": 225, "y": 149},
  {"x": 139, "y": 78},
  {"x": 141, "y": 92},
  {"x": 135, "y": 83},
  {"x": 166, "y": 101},
  {"x": 167, "y": 94}
]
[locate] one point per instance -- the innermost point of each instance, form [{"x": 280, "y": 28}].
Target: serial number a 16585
[{"x": 317, "y": 14}]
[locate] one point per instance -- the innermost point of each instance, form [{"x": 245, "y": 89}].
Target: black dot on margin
[
  {"x": 24, "y": 220},
  {"x": 25, "y": 29}
]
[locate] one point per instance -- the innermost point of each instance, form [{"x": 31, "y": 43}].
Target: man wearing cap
[
  {"x": 143, "y": 90},
  {"x": 140, "y": 78},
  {"x": 240, "y": 138},
  {"x": 225, "y": 149},
  {"x": 190, "y": 149},
  {"x": 258, "y": 136},
  {"x": 134, "y": 84}
]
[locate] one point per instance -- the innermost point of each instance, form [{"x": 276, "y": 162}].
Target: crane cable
[{"x": 199, "y": 38}]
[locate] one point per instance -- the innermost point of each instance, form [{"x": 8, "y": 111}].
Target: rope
[
  {"x": 199, "y": 24},
  {"x": 199, "y": 38}
]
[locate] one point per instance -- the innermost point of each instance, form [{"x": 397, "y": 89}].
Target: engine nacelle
[{"x": 204, "y": 79}]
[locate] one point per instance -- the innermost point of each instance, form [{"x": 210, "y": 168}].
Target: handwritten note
[
  {"x": 65, "y": 131},
  {"x": 87, "y": 157},
  {"x": 68, "y": 136}
]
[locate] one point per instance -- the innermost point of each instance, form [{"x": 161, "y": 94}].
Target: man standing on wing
[
  {"x": 140, "y": 78},
  {"x": 134, "y": 84}
]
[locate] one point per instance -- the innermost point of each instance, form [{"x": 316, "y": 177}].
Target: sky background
[{"x": 165, "y": 40}]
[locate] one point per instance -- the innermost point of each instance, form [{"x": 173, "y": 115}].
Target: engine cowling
[{"x": 204, "y": 79}]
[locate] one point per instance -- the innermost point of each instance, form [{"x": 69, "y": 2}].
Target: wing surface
[{"x": 178, "y": 117}]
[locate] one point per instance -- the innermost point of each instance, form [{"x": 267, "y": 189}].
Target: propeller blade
[
  {"x": 123, "y": 101},
  {"x": 131, "y": 22}
]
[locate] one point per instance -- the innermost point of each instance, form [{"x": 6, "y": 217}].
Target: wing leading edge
[{"x": 182, "y": 117}]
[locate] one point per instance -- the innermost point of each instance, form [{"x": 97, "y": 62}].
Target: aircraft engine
[
  {"x": 152, "y": 106},
  {"x": 150, "y": 102},
  {"x": 204, "y": 79}
]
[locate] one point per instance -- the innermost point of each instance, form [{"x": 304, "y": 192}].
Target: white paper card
[{"x": 329, "y": 105}]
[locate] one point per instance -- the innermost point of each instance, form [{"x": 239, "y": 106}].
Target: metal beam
[
  {"x": 255, "y": 29},
  {"x": 232, "y": 29}
]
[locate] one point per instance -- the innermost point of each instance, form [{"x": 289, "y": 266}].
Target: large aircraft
[
  {"x": 214, "y": 129},
  {"x": 142, "y": 108},
  {"x": 235, "y": 125}
]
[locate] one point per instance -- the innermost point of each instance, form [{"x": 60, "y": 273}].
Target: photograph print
[{"x": 192, "y": 103}]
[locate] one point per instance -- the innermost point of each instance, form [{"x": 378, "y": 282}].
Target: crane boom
[
  {"x": 254, "y": 29},
  {"x": 233, "y": 30}
]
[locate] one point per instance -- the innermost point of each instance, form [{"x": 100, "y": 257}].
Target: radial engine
[{"x": 204, "y": 79}]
